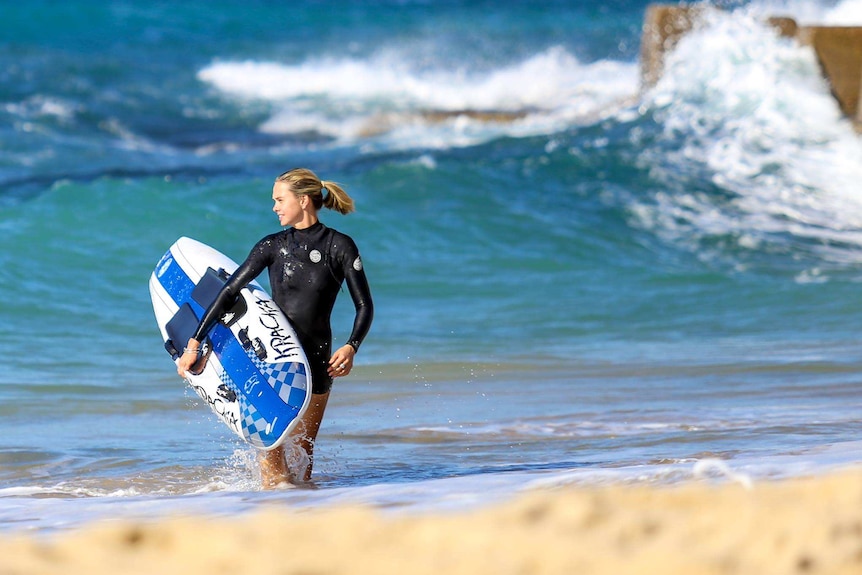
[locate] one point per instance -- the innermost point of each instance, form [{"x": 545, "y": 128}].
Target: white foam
[
  {"x": 38, "y": 105},
  {"x": 709, "y": 467},
  {"x": 386, "y": 96},
  {"x": 811, "y": 12},
  {"x": 846, "y": 13},
  {"x": 750, "y": 110},
  {"x": 48, "y": 509},
  {"x": 562, "y": 429}
]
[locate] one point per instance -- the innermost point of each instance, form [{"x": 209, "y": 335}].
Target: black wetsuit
[{"x": 306, "y": 270}]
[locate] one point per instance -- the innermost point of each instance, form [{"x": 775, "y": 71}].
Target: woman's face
[{"x": 286, "y": 205}]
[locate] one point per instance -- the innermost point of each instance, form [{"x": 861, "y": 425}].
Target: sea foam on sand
[{"x": 801, "y": 525}]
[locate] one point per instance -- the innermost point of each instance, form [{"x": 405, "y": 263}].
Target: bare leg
[
  {"x": 273, "y": 468},
  {"x": 276, "y": 467}
]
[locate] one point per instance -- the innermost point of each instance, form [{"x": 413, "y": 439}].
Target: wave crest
[
  {"x": 751, "y": 150},
  {"x": 388, "y": 96}
]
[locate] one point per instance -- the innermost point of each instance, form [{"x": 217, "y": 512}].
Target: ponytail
[
  {"x": 304, "y": 182},
  {"x": 336, "y": 198}
]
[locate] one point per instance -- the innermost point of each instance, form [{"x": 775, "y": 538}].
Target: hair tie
[{"x": 323, "y": 190}]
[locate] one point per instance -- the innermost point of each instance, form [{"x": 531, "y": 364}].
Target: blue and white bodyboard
[{"x": 257, "y": 378}]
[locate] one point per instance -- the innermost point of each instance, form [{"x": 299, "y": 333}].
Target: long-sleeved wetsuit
[{"x": 306, "y": 270}]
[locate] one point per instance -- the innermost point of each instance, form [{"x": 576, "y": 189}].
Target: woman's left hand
[{"x": 342, "y": 361}]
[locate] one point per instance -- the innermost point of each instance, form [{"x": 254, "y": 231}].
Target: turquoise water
[{"x": 609, "y": 284}]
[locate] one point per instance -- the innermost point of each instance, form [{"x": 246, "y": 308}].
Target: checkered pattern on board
[
  {"x": 287, "y": 379},
  {"x": 253, "y": 425}
]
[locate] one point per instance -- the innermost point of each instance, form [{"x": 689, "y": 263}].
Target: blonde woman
[{"x": 307, "y": 263}]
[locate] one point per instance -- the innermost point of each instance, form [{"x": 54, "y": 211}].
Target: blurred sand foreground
[{"x": 807, "y": 525}]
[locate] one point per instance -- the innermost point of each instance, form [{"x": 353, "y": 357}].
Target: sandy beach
[{"x": 804, "y": 525}]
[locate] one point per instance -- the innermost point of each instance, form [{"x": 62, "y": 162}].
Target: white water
[
  {"x": 386, "y": 96},
  {"x": 25, "y": 508},
  {"x": 751, "y": 112}
]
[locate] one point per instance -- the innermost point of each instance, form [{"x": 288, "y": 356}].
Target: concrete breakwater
[{"x": 838, "y": 50}]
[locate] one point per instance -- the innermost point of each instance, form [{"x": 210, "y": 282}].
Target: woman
[{"x": 307, "y": 264}]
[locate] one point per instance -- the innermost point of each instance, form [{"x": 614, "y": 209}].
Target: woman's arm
[
  {"x": 341, "y": 361},
  {"x": 245, "y": 274}
]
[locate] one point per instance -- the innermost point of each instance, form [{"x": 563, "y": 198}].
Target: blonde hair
[{"x": 304, "y": 182}]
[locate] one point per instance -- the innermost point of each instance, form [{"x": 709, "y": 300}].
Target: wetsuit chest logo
[{"x": 314, "y": 256}]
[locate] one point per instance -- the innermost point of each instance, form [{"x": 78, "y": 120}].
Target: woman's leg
[
  {"x": 273, "y": 470},
  {"x": 295, "y": 466}
]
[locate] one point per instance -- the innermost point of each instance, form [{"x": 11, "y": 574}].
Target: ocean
[{"x": 575, "y": 280}]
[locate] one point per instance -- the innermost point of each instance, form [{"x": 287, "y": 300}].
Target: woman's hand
[
  {"x": 342, "y": 361},
  {"x": 190, "y": 357}
]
